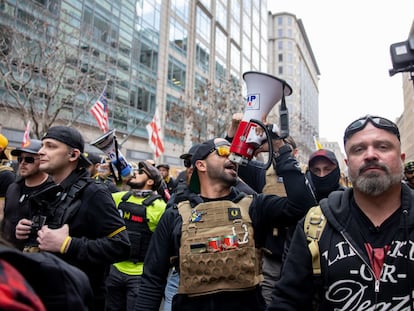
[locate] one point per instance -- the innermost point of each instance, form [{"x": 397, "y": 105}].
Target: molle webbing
[
  {"x": 203, "y": 272},
  {"x": 274, "y": 185}
]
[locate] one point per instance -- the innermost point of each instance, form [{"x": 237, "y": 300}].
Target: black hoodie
[{"x": 348, "y": 281}]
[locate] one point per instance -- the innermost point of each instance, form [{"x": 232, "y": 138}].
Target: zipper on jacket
[{"x": 377, "y": 281}]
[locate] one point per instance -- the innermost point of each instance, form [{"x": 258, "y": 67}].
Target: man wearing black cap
[
  {"x": 141, "y": 209},
  {"x": 82, "y": 223},
  {"x": 324, "y": 173},
  {"x": 366, "y": 235},
  {"x": 30, "y": 180},
  {"x": 217, "y": 234}
]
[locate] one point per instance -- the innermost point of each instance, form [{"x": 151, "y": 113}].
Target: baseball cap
[
  {"x": 93, "y": 157},
  {"x": 201, "y": 152},
  {"x": 33, "y": 147},
  {"x": 190, "y": 152},
  {"x": 69, "y": 136},
  {"x": 152, "y": 173},
  {"x": 323, "y": 153},
  {"x": 409, "y": 166},
  {"x": 166, "y": 166}
]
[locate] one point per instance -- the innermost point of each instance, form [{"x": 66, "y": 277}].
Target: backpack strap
[{"x": 313, "y": 226}]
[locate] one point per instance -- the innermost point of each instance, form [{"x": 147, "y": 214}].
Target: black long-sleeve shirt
[{"x": 265, "y": 212}]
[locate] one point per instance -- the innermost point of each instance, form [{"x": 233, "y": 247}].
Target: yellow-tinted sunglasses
[{"x": 222, "y": 150}]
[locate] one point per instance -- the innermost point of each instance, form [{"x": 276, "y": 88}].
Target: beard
[
  {"x": 136, "y": 185},
  {"x": 374, "y": 183}
]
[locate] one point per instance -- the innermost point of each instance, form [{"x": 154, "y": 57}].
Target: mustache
[{"x": 371, "y": 165}]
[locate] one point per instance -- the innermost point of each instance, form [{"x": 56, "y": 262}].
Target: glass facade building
[{"x": 185, "y": 57}]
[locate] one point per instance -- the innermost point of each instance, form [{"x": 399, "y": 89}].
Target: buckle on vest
[{"x": 245, "y": 232}]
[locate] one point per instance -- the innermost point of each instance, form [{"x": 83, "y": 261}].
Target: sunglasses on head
[
  {"x": 28, "y": 159},
  {"x": 378, "y": 122}
]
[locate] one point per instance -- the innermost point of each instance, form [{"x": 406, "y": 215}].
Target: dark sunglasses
[
  {"x": 28, "y": 160},
  {"x": 187, "y": 163},
  {"x": 378, "y": 122},
  {"x": 141, "y": 171}
]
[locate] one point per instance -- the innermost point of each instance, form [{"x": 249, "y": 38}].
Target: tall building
[
  {"x": 184, "y": 57},
  {"x": 291, "y": 58}
]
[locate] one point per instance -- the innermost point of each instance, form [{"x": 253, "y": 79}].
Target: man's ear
[
  {"x": 150, "y": 182},
  {"x": 74, "y": 156}
]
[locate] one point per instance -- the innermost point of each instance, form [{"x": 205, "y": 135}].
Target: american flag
[
  {"x": 100, "y": 111},
  {"x": 154, "y": 135},
  {"x": 26, "y": 136}
]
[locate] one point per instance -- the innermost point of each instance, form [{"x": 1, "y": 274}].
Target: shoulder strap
[
  {"x": 70, "y": 209},
  {"x": 126, "y": 196},
  {"x": 313, "y": 226},
  {"x": 149, "y": 200}
]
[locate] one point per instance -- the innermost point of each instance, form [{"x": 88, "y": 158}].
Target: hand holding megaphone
[{"x": 263, "y": 93}]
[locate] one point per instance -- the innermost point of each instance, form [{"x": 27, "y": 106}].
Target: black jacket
[
  {"x": 348, "y": 281},
  {"x": 265, "y": 212},
  {"x": 98, "y": 232},
  {"x": 17, "y": 207}
]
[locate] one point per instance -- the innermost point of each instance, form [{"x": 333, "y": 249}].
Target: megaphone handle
[{"x": 269, "y": 141}]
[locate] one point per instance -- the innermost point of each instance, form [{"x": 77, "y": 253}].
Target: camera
[
  {"x": 402, "y": 56},
  {"x": 38, "y": 222}
]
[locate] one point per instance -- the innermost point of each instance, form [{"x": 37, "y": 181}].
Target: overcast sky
[{"x": 350, "y": 40}]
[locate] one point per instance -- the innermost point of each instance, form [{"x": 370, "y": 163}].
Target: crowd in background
[{"x": 149, "y": 241}]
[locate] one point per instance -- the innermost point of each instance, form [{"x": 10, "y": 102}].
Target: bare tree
[
  {"x": 43, "y": 76},
  {"x": 209, "y": 112}
]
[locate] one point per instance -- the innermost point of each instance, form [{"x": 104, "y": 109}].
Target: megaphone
[
  {"x": 109, "y": 145},
  {"x": 264, "y": 91}
]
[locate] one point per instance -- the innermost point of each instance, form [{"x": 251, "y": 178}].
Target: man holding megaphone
[{"x": 217, "y": 234}]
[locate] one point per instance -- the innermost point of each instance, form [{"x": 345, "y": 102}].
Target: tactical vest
[
  {"x": 203, "y": 271},
  {"x": 136, "y": 222}
]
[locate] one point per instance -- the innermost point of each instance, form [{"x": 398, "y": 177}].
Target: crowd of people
[{"x": 218, "y": 236}]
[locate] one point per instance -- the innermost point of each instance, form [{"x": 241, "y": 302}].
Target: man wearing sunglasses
[
  {"x": 81, "y": 222},
  {"x": 141, "y": 209},
  {"x": 366, "y": 245},
  {"x": 30, "y": 180},
  {"x": 216, "y": 235}
]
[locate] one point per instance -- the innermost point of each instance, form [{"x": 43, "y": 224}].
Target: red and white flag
[
  {"x": 100, "y": 111},
  {"x": 26, "y": 136},
  {"x": 154, "y": 135}
]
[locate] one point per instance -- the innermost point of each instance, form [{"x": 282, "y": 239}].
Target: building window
[
  {"x": 280, "y": 70},
  {"x": 180, "y": 7},
  {"x": 178, "y": 36},
  {"x": 202, "y": 56},
  {"x": 176, "y": 74},
  {"x": 221, "y": 13},
  {"x": 203, "y": 28}
]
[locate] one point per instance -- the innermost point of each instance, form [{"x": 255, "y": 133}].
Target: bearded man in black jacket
[{"x": 227, "y": 276}]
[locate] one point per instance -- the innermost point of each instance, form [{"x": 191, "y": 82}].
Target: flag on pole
[
  {"x": 318, "y": 145},
  {"x": 26, "y": 136},
  {"x": 100, "y": 111},
  {"x": 154, "y": 135}
]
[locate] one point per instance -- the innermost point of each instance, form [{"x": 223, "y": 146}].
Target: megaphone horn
[
  {"x": 108, "y": 144},
  {"x": 264, "y": 91}
]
